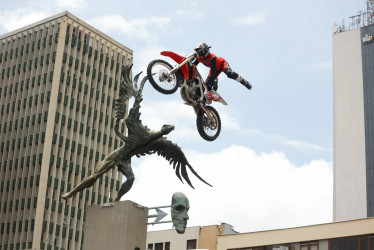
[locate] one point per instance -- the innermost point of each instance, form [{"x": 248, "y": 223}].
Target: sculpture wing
[
  {"x": 133, "y": 118},
  {"x": 174, "y": 154},
  {"x": 127, "y": 90}
]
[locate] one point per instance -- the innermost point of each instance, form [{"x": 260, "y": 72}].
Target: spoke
[
  {"x": 208, "y": 126},
  {"x": 162, "y": 77}
]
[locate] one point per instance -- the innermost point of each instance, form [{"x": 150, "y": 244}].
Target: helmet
[{"x": 202, "y": 49}]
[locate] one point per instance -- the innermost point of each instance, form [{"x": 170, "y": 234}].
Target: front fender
[{"x": 177, "y": 58}]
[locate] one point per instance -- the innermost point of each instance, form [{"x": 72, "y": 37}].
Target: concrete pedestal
[{"x": 116, "y": 226}]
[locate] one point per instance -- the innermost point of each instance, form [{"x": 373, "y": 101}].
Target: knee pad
[{"x": 230, "y": 73}]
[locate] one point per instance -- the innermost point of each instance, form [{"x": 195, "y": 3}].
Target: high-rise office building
[
  {"x": 59, "y": 79},
  {"x": 353, "y": 63}
]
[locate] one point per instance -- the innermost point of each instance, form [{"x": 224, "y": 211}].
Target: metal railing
[{"x": 362, "y": 19}]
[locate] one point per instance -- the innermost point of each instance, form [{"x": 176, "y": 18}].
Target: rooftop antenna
[
  {"x": 370, "y": 11},
  {"x": 343, "y": 26},
  {"x": 355, "y": 21}
]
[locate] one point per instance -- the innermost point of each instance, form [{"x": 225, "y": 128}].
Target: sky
[{"x": 271, "y": 167}]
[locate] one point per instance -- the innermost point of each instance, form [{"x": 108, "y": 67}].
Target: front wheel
[
  {"x": 208, "y": 129},
  {"x": 158, "y": 72}
]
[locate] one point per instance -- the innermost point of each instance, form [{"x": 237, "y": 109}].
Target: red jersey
[{"x": 220, "y": 63}]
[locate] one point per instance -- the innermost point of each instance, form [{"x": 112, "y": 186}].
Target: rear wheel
[
  {"x": 209, "y": 129},
  {"x": 158, "y": 72}
]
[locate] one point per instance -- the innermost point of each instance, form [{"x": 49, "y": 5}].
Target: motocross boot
[
  {"x": 215, "y": 84},
  {"x": 244, "y": 82}
]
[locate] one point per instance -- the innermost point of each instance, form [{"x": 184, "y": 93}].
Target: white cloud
[
  {"x": 251, "y": 191},
  {"x": 156, "y": 114},
  {"x": 18, "y": 18},
  {"x": 318, "y": 66},
  {"x": 182, "y": 116},
  {"x": 190, "y": 14},
  {"x": 228, "y": 120},
  {"x": 304, "y": 146},
  {"x": 138, "y": 28},
  {"x": 190, "y": 3},
  {"x": 74, "y": 4},
  {"x": 145, "y": 55},
  {"x": 160, "y": 22},
  {"x": 250, "y": 19},
  {"x": 193, "y": 3}
]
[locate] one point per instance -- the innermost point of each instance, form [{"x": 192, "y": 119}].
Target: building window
[
  {"x": 309, "y": 245},
  {"x": 158, "y": 246},
  {"x": 167, "y": 245},
  {"x": 191, "y": 244},
  {"x": 364, "y": 242},
  {"x": 150, "y": 247}
]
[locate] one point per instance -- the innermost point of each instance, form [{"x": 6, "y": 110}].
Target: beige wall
[
  {"x": 323, "y": 245},
  {"x": 177, "y": 241},
  {"x": 349, "y": 130},
  {"x": 49, "y": 133},
  {"x": 308, "y": 233},
  {"x": 208, "y": 237}
]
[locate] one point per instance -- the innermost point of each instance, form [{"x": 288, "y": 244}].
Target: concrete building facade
[
  {"x": 204, "y": 237},
  {"x": 59, "y": 79},
  {"x": 353, "y": 67},
  {"x": 116, "y": 226},
  {"x": 347, "y": 235},
  {"x": 170, "y": 239}
]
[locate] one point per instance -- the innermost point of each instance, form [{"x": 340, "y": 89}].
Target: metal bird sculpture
[{"x": 139, "y": 141}]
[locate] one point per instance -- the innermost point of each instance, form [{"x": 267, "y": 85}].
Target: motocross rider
[{"x": 216, "y": 65}]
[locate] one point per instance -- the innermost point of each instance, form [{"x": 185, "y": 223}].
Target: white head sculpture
[{"x": 179, "y": 211}]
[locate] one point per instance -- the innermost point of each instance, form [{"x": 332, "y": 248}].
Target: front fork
[{"x": 207, "y": 112}]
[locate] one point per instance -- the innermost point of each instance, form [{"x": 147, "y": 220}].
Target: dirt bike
[{"x": 167, "y": 79}]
